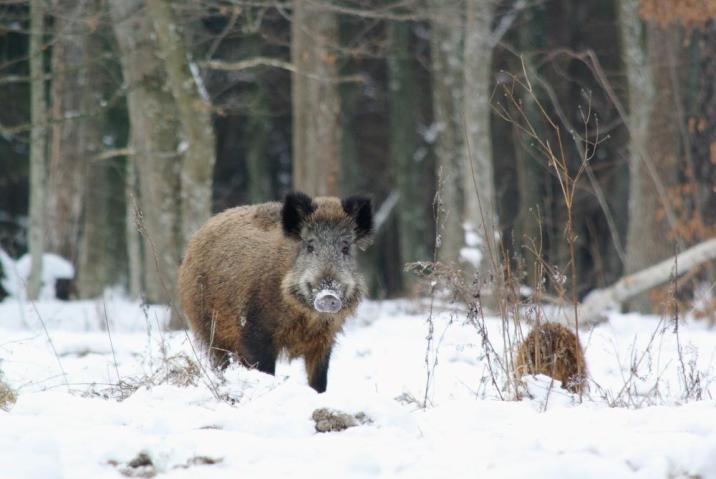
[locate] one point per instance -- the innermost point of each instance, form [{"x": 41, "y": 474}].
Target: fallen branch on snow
[{"x": 590, "y": 310}]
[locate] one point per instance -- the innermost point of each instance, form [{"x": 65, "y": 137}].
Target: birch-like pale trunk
[
  {"x": 38, "y": 109},
  {"x": 194, "y": 108},
  {"x": 446, "y": 49},
  {"x": 315, "y": 100},
  {"x": 480, "y": 214}
]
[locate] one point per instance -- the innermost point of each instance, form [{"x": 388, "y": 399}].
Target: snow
[
  {"x": 473, "y": 256},
  {"x": 16, "y": 273},
  {"x": 636, "y": 421},
  {"x": 471, "y": 253}
]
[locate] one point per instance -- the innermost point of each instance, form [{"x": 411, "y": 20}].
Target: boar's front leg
[{"x": 317, "y": 368}]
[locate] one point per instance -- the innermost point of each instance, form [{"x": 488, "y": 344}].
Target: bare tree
[
  {"x": 653, "y": 138},
  {"x": 156, "y": 150},
  {"x": 527, "y": 231},
  {"x": 408, "y": 167},
  {"x": 100, "y": 242},
  {"x": 194, "y": 109},
  {"x": 480, "y": 208},
  {"x": 446, "y": 47},
  {"x": 315, "y": 99},
  {"x": 67, "y": 172},
  {"x": 38, "y": 146}
]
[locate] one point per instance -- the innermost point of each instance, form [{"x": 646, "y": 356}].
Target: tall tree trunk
[
  {"x": 315, "y": 100},
  {"x": 409, "y": 173},
  {"x": 71, "y": 95},
  {"x": 446, "y": 47},
  {"x": 704, "y": 135},
  {"x": 653, "y": 137},
  {"x": 704, "y": 128},
  {"x": 95, "y": 270},
  {"x": 134, "y": 242},
  {"x": 194, "y": 108},
  {"x": 157, "y": 161},
  {"x": 480, "y": 203},
  {"x": 527, "y": 230},
  {"x": 36, "y": 227},
  {"x": 96, "y": 264}
]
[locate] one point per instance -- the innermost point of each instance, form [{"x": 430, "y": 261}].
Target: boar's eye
[
  {"x": 310, "y": 248},
  {"x": 346, "y": 250}
]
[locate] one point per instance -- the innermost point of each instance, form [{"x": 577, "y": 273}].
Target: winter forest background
[{"x": 548, "y": 139}]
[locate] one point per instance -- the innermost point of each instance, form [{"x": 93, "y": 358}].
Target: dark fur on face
[
  {"x": 295, "y": 208},
  {"x": 360, "y": 208}
]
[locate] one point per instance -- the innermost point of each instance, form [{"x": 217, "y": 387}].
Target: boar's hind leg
[
  {"x": 317, "y": 368},
  {"x": 259, "y": 350}
]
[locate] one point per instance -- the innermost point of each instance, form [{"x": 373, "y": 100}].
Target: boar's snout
[{"x": 327, "y": 301}]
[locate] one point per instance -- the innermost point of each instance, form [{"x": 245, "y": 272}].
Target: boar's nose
[{"x": 327, "y": 301}]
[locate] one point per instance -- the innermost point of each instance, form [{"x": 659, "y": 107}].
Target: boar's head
[{"x": 324, "y": 276}]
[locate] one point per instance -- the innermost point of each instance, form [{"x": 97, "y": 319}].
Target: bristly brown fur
[
  {"x": 232, "y": 283},
  {"x": 553, "y": 350}
]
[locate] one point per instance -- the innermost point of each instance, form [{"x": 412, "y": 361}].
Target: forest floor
[{"x": 102, "y": 392}]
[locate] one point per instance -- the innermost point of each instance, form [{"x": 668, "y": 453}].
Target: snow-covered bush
[{"x": 16, "y": 274}]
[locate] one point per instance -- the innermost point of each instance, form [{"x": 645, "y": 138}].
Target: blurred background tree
[{"x": 125, "y": 124}]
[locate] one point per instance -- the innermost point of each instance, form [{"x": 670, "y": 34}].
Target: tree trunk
[
  {"x": 409, "y": 169},
  {"x": 315, "y": 100},
  {"x": 446, "y": 47},
  {"x": 134, "y": 241},
  {"x": 36, "y": 227},
  {"x": 258, "y": 129},
  {"x": 480, "y": 216},
  {"x": 527, "y": 231},
  {"x": 95, "y": 271},
  {"x": 194, "y": 108},
  {"x": 71, "y": 95},
  {"x": 654, "y": 138},
  {"x": 704, "y": 125},
  {"x": 156, "y": 159},
  {"x": 97, "y": 242},
  {"x": 703, "y": 139}
]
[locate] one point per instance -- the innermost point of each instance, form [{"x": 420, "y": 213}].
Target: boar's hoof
[{"x": 327, "y": 302}]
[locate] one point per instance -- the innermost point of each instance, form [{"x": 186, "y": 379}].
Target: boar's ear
[
  {"x": 296, "y": 207},
  {"x": 360, "y": 208}
]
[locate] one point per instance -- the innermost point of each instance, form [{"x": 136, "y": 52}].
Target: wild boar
[{"x": 263, "y": 279}]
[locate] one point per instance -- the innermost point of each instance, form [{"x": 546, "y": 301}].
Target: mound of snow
[{"x": 17, "y": 273}]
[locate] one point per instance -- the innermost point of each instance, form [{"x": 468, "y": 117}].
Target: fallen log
[{"x": 595, "y": 303}]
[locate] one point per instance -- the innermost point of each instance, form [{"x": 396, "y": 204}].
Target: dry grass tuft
[
  {"x": 178, "y": 370},
  {"x": 7, "y": 396}
]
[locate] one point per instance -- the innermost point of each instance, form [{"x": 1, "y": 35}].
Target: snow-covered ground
[{"x": 72, "y": 363}]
